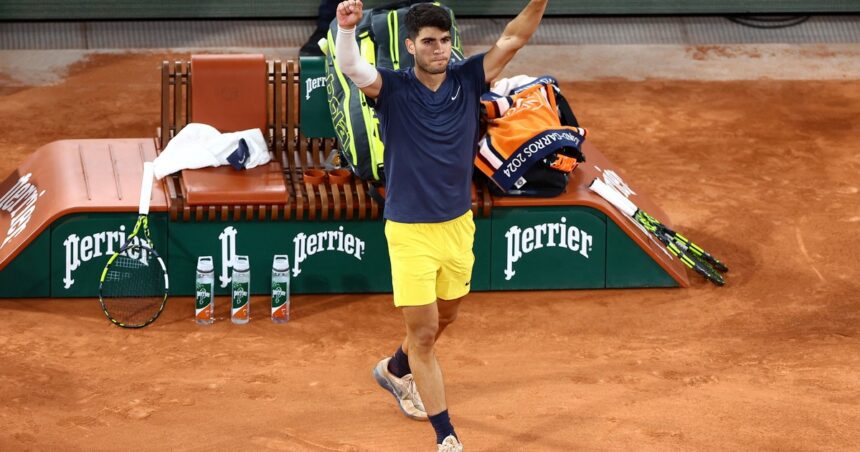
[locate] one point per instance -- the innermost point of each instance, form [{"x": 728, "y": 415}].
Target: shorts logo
[
  {"x": 522, "y": 241},
  {"x": 306, "y": 246}
]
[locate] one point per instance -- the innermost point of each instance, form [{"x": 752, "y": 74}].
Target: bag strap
[
  {"x": 567, "y": 116},
  {"x": 374, "y": 193}
]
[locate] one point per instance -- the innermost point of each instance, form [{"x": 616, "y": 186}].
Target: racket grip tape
[
  {"x": 615, "y": 198},
  {"x": 146, "y": 188}
]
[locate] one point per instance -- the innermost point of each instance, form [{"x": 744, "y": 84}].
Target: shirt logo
[{"x": 456, "y": 94}]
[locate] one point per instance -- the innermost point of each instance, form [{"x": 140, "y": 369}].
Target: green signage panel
[
  {"x": 28, "y": 275},
  {"x": 523, "y": 248},
  {"x": 325, "y": 256},
  {"x": 560, "y": 247},
  {"x": 82, "y": 243},
  {"x": 315, "y": 117},
  {"x": 627, "y": 265},
  {"x": 483, "y": 252}
]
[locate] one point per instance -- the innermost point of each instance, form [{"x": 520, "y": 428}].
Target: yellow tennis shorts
[{"x": 431, "y": 260}]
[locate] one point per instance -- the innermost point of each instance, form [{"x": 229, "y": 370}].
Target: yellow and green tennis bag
[{"x": 381, "y": 36}]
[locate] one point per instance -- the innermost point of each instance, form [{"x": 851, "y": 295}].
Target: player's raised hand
[{"x": 349, "y": 13}]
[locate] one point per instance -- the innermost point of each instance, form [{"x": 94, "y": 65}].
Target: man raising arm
[
  {"x": 515, "y": 36},
  {"x": 428, "y": 117}
]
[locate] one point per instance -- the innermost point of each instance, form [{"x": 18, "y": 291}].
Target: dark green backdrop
[{"x": 206, "y": 9}]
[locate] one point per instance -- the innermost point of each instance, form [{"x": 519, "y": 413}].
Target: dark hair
[{"x": 426, "y": 15}]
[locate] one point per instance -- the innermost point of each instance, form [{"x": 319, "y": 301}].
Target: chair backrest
[{"x": 229, "y": 92}]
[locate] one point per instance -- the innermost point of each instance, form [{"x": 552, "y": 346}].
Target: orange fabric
[
  {"x": 522, "y": 130},
  {"x": 564, "y": 163},
  {"x": 530, "y": 112}
]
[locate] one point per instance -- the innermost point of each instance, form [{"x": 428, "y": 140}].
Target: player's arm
[
  {"x": 515, "y": 36},
  {"x": 362, "y": 73}
]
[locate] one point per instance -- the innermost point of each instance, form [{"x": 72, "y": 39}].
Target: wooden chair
[{"x": 239, "y": 92}]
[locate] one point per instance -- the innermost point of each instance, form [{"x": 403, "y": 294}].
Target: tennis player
[{"x": 429, "y": 123}]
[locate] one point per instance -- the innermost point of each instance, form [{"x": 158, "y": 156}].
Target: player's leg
[
  {"x": 422, "y": 324},
  {"x": 448, "y": 310},
  {"x": 453, "y": 280},
  {"x": 422, "y": 327},
  {"x": 453, "y": 240},
  {"x": 413, "y": 275}
]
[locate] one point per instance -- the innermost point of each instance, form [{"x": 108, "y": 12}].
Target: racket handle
[
  {"x": 615, "y": 198},
  {"x": 146, "y": 188}
]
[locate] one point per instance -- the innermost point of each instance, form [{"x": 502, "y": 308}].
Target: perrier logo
[
  {"x": 279, "y": 295},
  {"x": 240, "y": 296},
  {"x": 203, "y": 297},
  {"x": 522, "y": 241}
]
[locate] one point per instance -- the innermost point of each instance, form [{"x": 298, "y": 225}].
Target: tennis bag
[
  {"x": 533, "y": 139},
  {"x": 381, "y": 36}
]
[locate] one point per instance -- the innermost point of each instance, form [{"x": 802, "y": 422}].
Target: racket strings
[{"x": 133, "y": 291}]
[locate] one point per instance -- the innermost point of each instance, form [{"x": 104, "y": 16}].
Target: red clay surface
[{"x": 762, "y": 173}]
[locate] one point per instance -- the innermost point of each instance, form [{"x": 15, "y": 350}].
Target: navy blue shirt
[{"x": 430, "y": 142}]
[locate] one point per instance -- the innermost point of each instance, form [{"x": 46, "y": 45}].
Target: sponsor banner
[
  {"x": 82, "y": 244},
  {"x": 548, "y": 248},
  {"x": 326, "y": 257},
  {"x": 314, "y": 110}
]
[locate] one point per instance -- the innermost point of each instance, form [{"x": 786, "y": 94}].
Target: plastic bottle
[
  {"x": 332, "y": 161},
  {"x": 204, "y": 302},
  {"x": 241, "y": 291},
  {"x": 281, "y": 289}
]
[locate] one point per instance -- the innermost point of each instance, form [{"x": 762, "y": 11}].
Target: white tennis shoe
[
  {"x": 450, "y": 444},
  {"x": 403, "y": 390}
]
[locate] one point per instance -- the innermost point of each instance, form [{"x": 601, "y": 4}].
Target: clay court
[{"x": 761, "y": 170}]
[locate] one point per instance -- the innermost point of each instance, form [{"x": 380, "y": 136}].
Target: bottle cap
[
  {"x": 281, "y": 263},
  {"x": 241, "y": 264},
  {"x": 204, "y": 264}
]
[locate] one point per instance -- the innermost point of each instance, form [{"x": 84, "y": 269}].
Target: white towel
[
  {"x": 200, "y": 146},
  {"x": 504, "y": 86}
]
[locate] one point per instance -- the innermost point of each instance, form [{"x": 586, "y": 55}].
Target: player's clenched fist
[{"x": 349, "y": 13}]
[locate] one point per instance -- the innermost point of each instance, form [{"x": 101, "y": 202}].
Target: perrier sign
[
  {"x": 82, "y": 244},
  {"x": 548, "y": 248}
]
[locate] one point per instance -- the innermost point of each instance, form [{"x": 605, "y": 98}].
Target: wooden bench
[{"x": 238, "y": 92}]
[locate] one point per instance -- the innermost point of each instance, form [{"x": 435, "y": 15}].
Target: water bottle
[
  {"x": 241, "y": 291},
  {"x": 204, "y": 303},
  {"x": 281, "y": 289}
]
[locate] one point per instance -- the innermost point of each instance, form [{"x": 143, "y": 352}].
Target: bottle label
[
  {"x": 279, "y": 294},
  {"x": 203, "y": 301},
  {"x": 240, "y": 299},
  {"x": 279, "y": 300}
]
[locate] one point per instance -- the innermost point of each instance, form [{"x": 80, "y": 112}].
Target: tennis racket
[
  {"x": 690, "y": 254},
  {"x": 133, "y": 285}
]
